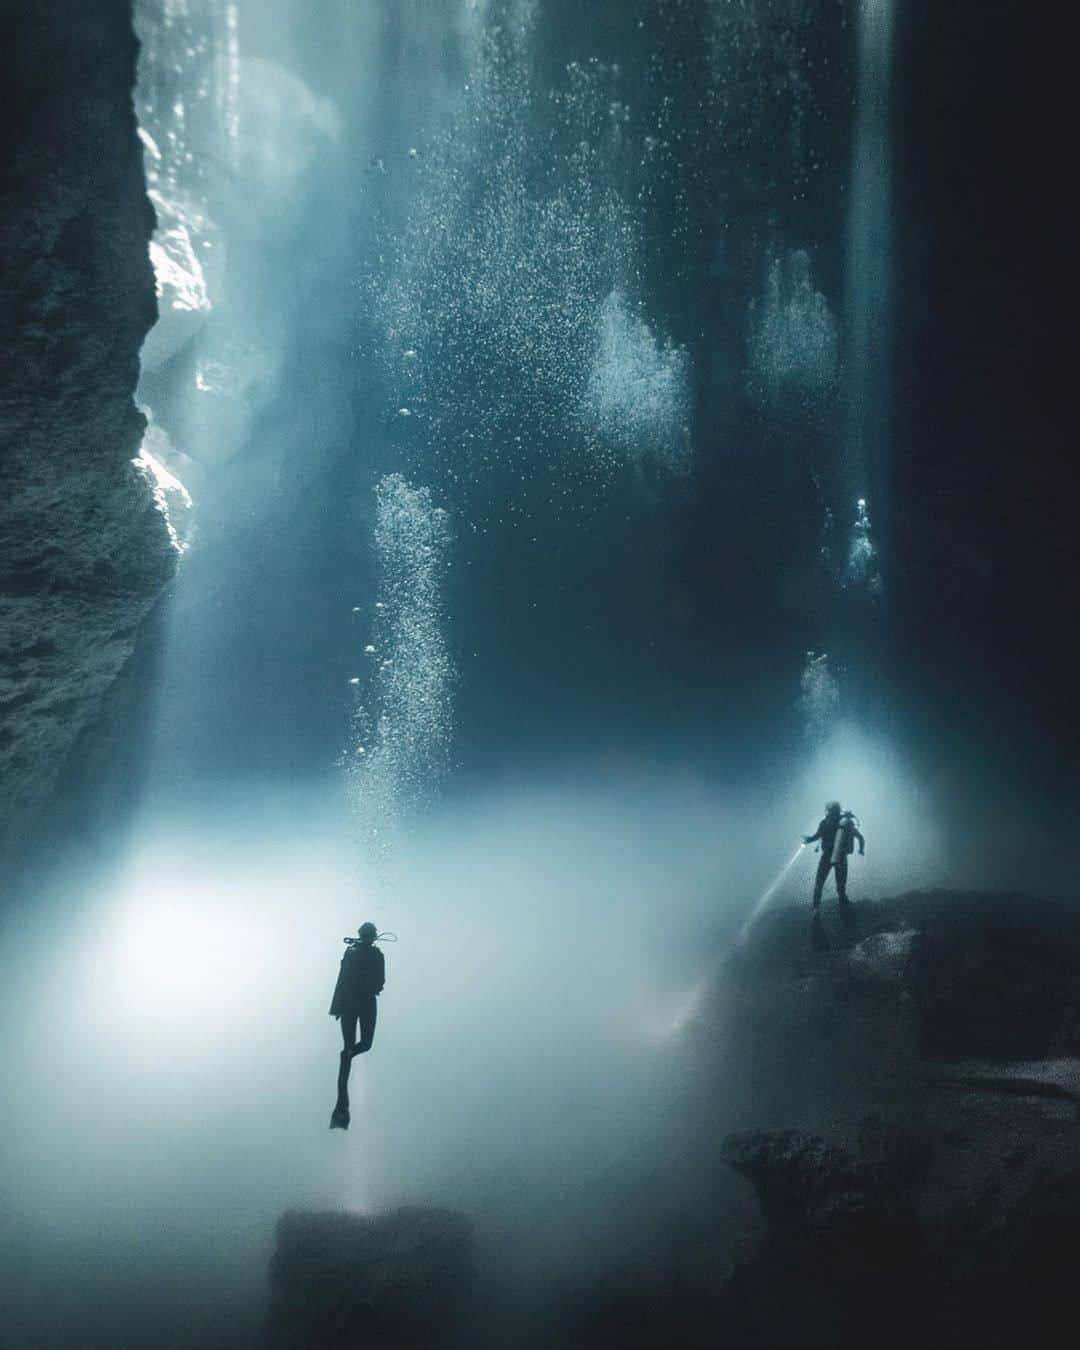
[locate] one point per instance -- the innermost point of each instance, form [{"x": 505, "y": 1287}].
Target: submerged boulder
[{"x": 395, "y": 1281}]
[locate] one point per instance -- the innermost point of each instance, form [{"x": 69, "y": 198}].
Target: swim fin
[{"x": 339, "y": 1120}]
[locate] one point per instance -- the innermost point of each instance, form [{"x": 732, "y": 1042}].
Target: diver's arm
[
  {"x": 382, "y": 972},
  {"x": 335, "y": 1002},
  {"x": 809, "y": 838},
  {"x": 862, "y": 843}
]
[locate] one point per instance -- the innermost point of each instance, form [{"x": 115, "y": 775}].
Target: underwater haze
[{"x": 521, "y": 408}]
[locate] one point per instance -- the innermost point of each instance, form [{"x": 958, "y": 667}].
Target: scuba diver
[
  {"x": 359, "y": 982},
  {"x": 837, "y": 832}
]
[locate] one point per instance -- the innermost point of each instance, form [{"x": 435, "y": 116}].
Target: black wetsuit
[
  {"x": 826, "y": 832},
  {"x": 360, "y": 981}
]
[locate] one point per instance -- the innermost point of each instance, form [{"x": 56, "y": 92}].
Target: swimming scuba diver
[
  {"x": 837, "y": 832},
  {"x": 359, "y": 982}
]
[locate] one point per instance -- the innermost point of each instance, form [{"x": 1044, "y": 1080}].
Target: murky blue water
[{"x": 506, "y": 354}]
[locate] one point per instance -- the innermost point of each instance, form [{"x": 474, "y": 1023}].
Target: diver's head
[
  {"x": 832, "y": 808},
  {"x": 368, "y": 933}
]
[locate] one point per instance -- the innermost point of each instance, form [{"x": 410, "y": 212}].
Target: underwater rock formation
[
  {"x": 396, "y": 1280},
  {"x": 909, "y": 1090},
  {"x": 959, "y": 1208},
  {"x": 813, "y": 1024},
  {"x": 84, "y": 553},
  {"x": 949, "y": 1199}
]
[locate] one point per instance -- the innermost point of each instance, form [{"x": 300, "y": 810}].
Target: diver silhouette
[
  {"x": 837, "y": 832},
  {"x": 360, "y": 981}
]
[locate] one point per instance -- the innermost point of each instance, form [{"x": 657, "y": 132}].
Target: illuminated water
[{"x": 488, "y": 626}]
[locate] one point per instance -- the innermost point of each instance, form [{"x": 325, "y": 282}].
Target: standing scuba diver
[
  {"x": 837, "y": 832},
  {"x": 360, "y": 981}
]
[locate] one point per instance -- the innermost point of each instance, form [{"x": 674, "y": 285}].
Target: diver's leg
[
  {"x": 348, "y": 1036},
  {"x": 819, "y": 881},
  {"x": 340, "y": 1118},
  {"x": 841, "y": 879},
  {"x": 369, "y": 1011}
]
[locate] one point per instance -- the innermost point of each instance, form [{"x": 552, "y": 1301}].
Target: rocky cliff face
[{"x": 84, "y": 553}]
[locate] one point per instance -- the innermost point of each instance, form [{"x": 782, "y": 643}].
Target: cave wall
[{"x": 84, "y": 552}]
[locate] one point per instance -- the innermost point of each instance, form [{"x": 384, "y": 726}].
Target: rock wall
[{"x": 84, "y": 553}]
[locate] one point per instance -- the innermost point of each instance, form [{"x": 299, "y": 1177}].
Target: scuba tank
[{"x": 844, "y": 843}]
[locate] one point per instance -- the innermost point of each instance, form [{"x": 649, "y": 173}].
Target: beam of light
[
  {"x": 678, "y": 1014},
  {"x": 687, "y": 1004},
  {"x": 766, "y": 897},
  {"x": 869, "y": 248}
]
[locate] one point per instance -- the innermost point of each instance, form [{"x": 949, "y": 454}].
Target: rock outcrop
[
  {"x": 84, "y": 553},
  {"x": 812, "y": 1025},
  {"x": 940, "y": 1201},
  {"x": 396, "y": 1281},
  {"x": 956, "y": 1213}
]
